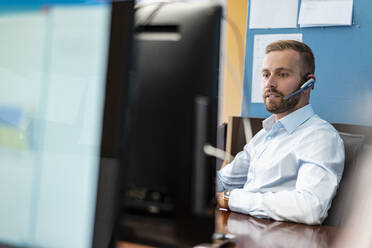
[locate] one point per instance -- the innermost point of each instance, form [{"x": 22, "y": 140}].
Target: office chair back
[{"x": 341, "y": 204}]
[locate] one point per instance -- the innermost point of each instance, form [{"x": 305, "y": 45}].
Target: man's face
[{"x": 281, "y": 75}]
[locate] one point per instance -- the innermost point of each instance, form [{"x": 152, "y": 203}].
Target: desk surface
[
  {"x": 263, "y": 233},
  {"x": 254, "y": 233}
]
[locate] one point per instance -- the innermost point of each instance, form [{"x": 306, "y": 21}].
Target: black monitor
[
  {"x": 65, "y": 66},
  {"x": 114, "y": 123},
  {"x": 169, "y": 184}
]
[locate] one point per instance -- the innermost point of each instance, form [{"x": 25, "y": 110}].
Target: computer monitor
[
  {"x": 173, "y": 114},
  {"x": 64, "y": 69}
]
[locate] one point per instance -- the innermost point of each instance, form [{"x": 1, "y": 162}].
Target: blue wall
[{"x": 343, "y": 91}]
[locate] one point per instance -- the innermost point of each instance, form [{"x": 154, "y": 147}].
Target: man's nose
[{"x": 271, "y": 82}]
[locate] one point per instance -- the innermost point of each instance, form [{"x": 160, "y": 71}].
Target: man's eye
[
  {"x": 265, "y": 75},
  {"x": 283, "y": 74}
]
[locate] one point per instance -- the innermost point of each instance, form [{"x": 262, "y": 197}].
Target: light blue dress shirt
[{"x": 290, "y": 170}]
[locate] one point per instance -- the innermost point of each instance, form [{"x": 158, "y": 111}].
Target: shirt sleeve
[
  {"x": 320, "y": 157},
  {"x": 234, "y": 174}
]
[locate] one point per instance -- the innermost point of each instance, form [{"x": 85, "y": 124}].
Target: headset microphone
[{"x": 309, "y": 83}]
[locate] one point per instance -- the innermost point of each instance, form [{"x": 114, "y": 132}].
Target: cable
[
  {"x": 238, "y": 40},
  {"x": 151, "y": 16},
  {"x": 238, "y": 78}
]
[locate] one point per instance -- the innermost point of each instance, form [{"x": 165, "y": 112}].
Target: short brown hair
[{"x": 306, "y": 54}]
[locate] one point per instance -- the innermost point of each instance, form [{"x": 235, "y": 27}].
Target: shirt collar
[{"x": 291, "y": 121}]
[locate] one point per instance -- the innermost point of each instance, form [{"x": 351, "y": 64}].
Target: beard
[{"x": 281, "y": 105}]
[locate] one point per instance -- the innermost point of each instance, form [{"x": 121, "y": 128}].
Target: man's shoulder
[
  {"x": 316, "y": 121},
  {"x": 315, "y": 124},
  {"x": 259, "y": 134}
]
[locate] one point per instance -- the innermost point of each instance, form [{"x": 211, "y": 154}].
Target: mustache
[{"x": 273, "y": 90}]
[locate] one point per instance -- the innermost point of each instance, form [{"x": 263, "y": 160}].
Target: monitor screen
[
  {"x": 173, "y": 113},
  {"x": 53, "y": 65}
]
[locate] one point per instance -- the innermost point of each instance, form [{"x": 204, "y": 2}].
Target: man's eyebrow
[
  {"x": 277, "y": 69},
  {"x": 283, "y": 69}
]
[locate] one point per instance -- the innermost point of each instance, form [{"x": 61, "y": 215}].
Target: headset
[{"x": 308, "y": 84}]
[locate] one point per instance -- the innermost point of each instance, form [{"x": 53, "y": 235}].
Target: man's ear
[{"x": 310, "y": 75}]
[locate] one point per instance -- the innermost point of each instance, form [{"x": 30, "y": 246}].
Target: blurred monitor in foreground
[
  {"x": 169, "y": 185},
  {"x": 56, "y": 89}
]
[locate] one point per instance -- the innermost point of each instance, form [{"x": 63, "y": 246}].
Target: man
[{"x": 291, "y": 169}]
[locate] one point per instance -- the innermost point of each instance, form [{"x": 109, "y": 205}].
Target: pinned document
[
  {"x": 273, "y": 14},
  {"x": 318, "y": 13}
]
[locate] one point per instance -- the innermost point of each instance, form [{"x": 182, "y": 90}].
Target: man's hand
[{"x": 222, "y": 202}]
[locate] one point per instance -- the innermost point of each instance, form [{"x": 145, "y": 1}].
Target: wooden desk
[
  {"x": 130, "y": 245},
  {"x": 263, "y": 233}
]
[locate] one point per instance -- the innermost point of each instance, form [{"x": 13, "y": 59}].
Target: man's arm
[
  {"x": 234, "y": 175},
  {"x": 320, "y": 169}
]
